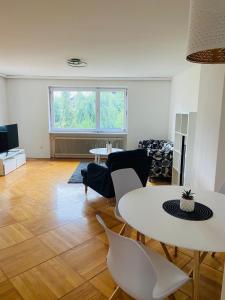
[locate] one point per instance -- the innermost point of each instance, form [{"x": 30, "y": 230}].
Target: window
[{"x": 88, "y": 110}]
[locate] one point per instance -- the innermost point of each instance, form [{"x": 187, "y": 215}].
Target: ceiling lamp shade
[{"x": 206, "y": 35}]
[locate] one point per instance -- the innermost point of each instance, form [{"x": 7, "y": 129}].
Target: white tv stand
[{"x": 11, "y": 160}]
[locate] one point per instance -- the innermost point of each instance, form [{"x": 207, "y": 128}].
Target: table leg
[
  {"x": 97, "y": 159},
  {"x": 138, "y": 237},
  {"x": 202, "y": 257},
  {"x": 143, "y": 238},
  {"x": 196, "y": 275}
]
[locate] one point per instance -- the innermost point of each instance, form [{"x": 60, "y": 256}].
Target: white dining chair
[
  {"x": 124, "y": 181},
  {"x": 140, "y": 272},
  {"x": 222, "y": 191}
]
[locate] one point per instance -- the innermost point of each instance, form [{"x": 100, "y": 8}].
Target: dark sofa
[{"x": 98, "y": 177}]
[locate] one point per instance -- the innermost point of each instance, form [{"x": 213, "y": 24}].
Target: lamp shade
[{"x": 206, "y": 34}]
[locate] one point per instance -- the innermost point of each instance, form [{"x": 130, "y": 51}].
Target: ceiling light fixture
[
  {"x": 76, "y": 62},
  {"x": 206, "y": 37}
]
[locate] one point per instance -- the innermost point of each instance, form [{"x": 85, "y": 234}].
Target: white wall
[
  {"x": 148, "y": 110},
  {"x": 184, "y": 95},
  {"x": 3, "y": 103},
  {"x": 220, "y": 168},
  {"x": 201, "y": 89},
  {"x": 208, "y": 140}
]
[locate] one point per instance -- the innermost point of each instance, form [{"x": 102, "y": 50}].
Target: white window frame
[{"x": 96, "y": 130}]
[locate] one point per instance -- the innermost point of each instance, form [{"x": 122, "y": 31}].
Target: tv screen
[
  {"x": 3, "y": 139},
  {"x": 13, "y": 140},
  {"x": 8, "y": 137}
]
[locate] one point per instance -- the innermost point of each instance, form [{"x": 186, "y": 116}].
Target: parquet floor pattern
[{"x": 51, "y": 246}]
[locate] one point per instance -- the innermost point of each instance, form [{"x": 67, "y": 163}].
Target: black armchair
[{"x": 98, "y": 177}]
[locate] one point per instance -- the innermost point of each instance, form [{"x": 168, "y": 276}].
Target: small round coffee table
[{"x": 98, "y": 152}]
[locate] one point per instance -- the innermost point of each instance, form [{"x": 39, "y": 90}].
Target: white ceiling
[{"x": 118, "y": 38}]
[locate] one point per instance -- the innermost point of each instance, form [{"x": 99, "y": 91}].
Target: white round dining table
[{"x": 142, "y": 209}]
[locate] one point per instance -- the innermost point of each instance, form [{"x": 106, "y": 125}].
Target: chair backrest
[
  {"x": 129, "y": 265},
  {"x": 222, "y": 189},
  {"x": 124, "y": 181},
  {"x": 135, "y": 159}
]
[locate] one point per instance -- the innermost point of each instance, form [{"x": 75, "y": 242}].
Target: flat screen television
[{"x": 8, "y": 137}]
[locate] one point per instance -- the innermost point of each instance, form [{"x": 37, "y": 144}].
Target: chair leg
[
  {"x": 115, "y": 294},
  {"x": 175, "y": 251},
  {"x": 166, "y": 252},
  {"x": 86, "y": 189},
  {"x": 122, "y": 229},
  {"x": 213, "y": 254}
]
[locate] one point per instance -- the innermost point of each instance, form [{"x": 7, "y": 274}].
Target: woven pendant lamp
[{"x": 206, "y": 36}]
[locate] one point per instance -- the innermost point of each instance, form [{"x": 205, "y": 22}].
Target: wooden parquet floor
[{"x": 51, "y": 246}]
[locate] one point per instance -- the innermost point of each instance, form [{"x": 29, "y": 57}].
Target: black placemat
[{"x": 200, "y": 213}]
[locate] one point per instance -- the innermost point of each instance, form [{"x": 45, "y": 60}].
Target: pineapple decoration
[{"x": 187, "y": 202}]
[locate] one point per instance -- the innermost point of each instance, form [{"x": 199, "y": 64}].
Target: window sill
[{"x": 88, "y": 133}]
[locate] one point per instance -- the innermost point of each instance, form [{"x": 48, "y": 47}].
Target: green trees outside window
[
  {"x": 88, "y": 110},
  {"x": 112, "y": 109},
  {"x": 74, "y": 109}
]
